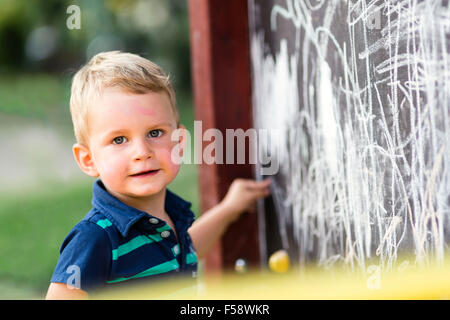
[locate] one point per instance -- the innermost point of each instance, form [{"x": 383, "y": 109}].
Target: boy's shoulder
[
  {"x": 86, "y": 253},
  {"x": 94, "y": 220},
  {"x": 96, "y": 217},
  {"x": 92, "y": 225}
]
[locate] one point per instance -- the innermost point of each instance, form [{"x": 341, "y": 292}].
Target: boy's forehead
[
  {"x": 152, "y": 104},
  {"x": 119, "y": 110}
]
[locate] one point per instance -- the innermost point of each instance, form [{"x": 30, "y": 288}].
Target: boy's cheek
[
  {"x": 110, "y": 167},
  {"x": 175, "y": 153},
  {"x": 174, "y": 164},
  {"x": 171, "y": 165},
  {"x": 172, "y": 173}
]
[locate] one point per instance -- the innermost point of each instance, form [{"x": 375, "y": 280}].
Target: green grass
[
  {"x": 39, "y": 96},
  {"x": 32, "y": 227}
]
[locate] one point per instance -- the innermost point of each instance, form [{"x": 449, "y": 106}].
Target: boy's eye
[
  {"x": 119, "y": 140},
  {"x": 155, "y": 133}
]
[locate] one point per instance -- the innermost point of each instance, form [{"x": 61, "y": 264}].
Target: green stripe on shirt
[
  {"x": 191, "y": 258},
  {"x": 104, "y": 223},
  {"x": 133, "y": 244},
  {"x": 164, "y": 228},
  {"x": 158, "y": 269}
]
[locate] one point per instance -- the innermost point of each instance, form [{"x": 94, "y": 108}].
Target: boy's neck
[{"x": 153, "y": 205}]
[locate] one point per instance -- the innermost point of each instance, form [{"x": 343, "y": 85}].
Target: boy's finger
[
  {"x": 258, "y": 193},
  {"x": 259, "y": 184},
  {"x": 262, "y": 186},
  {"x": 250, "y": 184}
]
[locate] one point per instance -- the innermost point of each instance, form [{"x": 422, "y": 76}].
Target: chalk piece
[{"x": 279, "y": 261}]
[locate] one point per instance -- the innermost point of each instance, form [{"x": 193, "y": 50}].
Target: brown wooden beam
[{"x": 222, "y": 97}]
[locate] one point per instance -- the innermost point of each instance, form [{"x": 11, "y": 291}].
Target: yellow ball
[{"x": 279, "y": 261}]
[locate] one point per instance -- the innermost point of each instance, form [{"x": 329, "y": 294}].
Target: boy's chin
[{"x": 145, "y": 191}]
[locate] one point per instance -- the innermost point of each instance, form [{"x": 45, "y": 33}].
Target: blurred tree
[{"x": 34, "y": 36}]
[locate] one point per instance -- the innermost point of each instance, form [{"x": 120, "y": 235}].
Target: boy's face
[{"x": 130, "y": 142}]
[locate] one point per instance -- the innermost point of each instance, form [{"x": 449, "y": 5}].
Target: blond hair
[{"x": 127, "y": 71}]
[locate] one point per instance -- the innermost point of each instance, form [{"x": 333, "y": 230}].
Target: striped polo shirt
[{"x": 118, "y": 244}]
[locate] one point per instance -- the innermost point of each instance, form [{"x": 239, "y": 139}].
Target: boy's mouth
[{"x": 145, "y": 173}]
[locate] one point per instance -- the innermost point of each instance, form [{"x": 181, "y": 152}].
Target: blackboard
[{"x": 359, "y": 95}]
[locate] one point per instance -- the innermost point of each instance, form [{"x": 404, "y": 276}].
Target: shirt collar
[{"x": 124, "y": 216}]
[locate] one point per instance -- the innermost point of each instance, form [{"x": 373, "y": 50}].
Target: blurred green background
[{"x": 43, "y": 194}]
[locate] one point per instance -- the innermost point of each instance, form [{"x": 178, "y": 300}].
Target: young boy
[{"x": 124, "y": 113}]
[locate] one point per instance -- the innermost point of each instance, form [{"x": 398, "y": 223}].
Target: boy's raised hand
[
  {"x": 243, "y": 193},
  {"x": 212, "y": 224}
]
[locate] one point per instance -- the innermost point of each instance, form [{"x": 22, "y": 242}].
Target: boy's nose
[{"x": 142, "y": 151}]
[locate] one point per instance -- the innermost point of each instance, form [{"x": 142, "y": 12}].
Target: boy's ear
[{"x": 84, "y": 159}]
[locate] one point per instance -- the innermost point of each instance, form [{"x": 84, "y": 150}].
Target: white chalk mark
[{"x": 365, "y": 148}]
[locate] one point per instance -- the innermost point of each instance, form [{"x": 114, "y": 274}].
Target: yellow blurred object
[
  {"x": 406, "y": 282},
  {"x": 279, "y": 261}
]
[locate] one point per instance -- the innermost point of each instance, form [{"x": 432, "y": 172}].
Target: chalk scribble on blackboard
[{"x": 361, "y": 93}]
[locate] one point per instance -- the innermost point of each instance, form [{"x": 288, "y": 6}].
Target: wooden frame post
[{"x": 222, "y": 96}]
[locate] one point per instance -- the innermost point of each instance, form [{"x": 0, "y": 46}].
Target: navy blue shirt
[{"x": 116, "y": 243}]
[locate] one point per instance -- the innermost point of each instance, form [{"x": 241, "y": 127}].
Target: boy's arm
[
  {"x": 60, "y": 291},
  {"x": 212, "y": 224}
]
